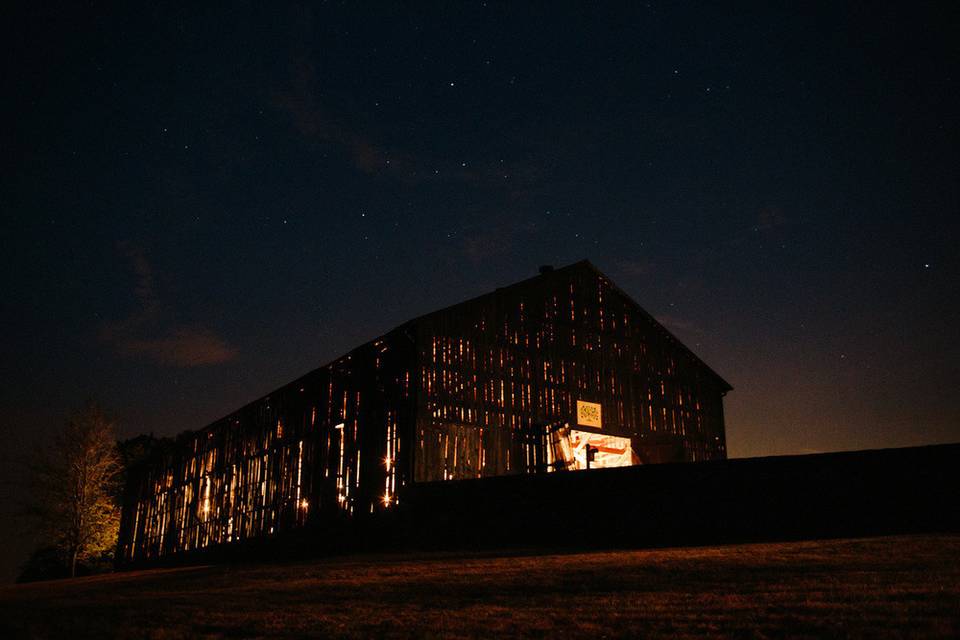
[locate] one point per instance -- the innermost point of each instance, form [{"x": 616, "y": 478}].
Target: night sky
[{"x": 198, "y": 206}]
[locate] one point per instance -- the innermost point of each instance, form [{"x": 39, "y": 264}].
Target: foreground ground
[{"x": 878, "y": 587}]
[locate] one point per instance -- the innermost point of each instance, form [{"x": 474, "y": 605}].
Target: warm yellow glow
[
  {"x": 386, "y": 499},
  {"x": 588, "y": 414},
  {"x": 206, "y": 498},
  {"x": 343, "y": 481}
]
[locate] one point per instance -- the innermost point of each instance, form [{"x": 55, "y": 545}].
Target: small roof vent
[{"x": 546, "y": 268}]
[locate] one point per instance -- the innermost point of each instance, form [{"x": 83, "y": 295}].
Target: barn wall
[
  {"x": 322, "y": 448},
  {"x": 494, "y": 369}
]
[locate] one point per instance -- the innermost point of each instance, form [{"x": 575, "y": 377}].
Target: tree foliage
[
  {"x": 75, "y": 482},
  {"x": 135, "y": 452}
]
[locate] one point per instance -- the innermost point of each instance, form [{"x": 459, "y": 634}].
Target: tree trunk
[{"x": 73, "y": 561}]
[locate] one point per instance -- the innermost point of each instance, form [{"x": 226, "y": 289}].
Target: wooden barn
[{"x": 557, "y": 373}]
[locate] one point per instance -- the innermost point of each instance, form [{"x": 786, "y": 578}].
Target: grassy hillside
[{"x": 879, "y": 587}]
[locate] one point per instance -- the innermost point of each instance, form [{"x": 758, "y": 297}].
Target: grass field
[{"x": 877, "y": 587}]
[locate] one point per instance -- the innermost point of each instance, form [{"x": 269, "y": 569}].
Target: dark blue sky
[{"x": 199, "y": 205}]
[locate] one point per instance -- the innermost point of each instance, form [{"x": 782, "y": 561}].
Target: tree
[
  {"x": 74, "y": 480},
  {"x": 136, "y": 451}
]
